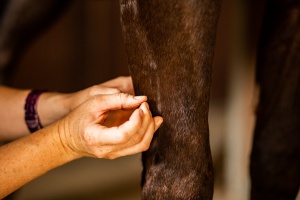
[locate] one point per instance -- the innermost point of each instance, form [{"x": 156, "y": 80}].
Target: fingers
[
  {"x": 131, "y": 137},
  {"x": 147, "y": 118},
  {"x": 99, "y": 89},
  {"x": 132, "y": 130},
  {"x": 114, "y": 86},
  {"x": 123, "y": 83},
  {"x": 119, "y": 101},
  {"x": 141, "y": 146},
  {"x": 123, "y": 133},
  {"x": 129, "y": 140}
]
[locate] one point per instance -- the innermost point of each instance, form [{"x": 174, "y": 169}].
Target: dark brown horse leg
[
  {"x": 275, "y": 161},
  {"x": 20, "y": 22},
  {"x": 170, "y": 47}
]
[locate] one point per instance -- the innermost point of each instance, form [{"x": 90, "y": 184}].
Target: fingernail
[{"x": 139, "y": 97}]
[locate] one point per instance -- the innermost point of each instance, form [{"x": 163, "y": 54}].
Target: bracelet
[{"x": 31, "y": 116}]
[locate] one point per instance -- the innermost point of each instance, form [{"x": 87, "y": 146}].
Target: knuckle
[
  {"x": 97, "y": 155},
  {"x": 120, "y": 79},
  {"x": 114, "y": 90},
  {"x": 96, "y": 101},
  {"x": 126, "y": 82},
  {"x": 102, "y": 152},
  {"x": 123, "y": 97},
  {"x": 88, "y": 138},
  {"x": 145, "y": 146},
  {"x": 94, "y": 90},
  {"x": 123, "y": 137},
  {"x": 123, "y": 79},
  {"x": 137, "y": 139},
  {"x": 98, "y": 89}
]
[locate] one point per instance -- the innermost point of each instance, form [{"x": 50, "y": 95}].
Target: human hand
[
  {"x": 53, "y": 106},
  {"x": 89, "y": 131},
  {"x": 122, "y": 83}
]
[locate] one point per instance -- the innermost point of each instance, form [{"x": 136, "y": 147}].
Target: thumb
[{"x": 121, "y": 101}]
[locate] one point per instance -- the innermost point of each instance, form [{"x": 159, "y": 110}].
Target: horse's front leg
[
  {"x": 275, "y": 161},
  {"x": 170, "y": 47}
]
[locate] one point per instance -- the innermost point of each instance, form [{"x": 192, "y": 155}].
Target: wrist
[
  {"x": 51, "y": 107},
  {"x": 57, "y": 142},
  {"x": 67, "y": 142},
  {"x": 31, "y": 115}
]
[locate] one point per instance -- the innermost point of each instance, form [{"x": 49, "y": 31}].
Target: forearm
[
  {"x": 12, "y": 103},
  {"x": 29, "y": 157},
  {"x": 50, "y": 108}
]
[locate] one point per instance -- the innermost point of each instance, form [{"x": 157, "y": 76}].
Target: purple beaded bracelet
[{"x": 31, "y": 116}]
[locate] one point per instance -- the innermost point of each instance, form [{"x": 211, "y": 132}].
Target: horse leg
[
  {"x": 170, "y": 47},
  {"x": 21, "y": 21},
  {"x": 275, "y": 159}
]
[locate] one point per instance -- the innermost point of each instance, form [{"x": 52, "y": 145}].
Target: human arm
[
  {"x": 81, "y": 133},
  {"x": 51, "y": 106}
]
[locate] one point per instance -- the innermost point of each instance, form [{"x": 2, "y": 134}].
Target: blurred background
[{"x": 85, "y": 47}]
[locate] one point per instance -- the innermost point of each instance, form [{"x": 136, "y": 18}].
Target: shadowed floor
[{"x": 88, "y": 179}]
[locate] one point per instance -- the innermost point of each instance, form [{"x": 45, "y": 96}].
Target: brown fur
[{"x": 170, "y": 48}]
